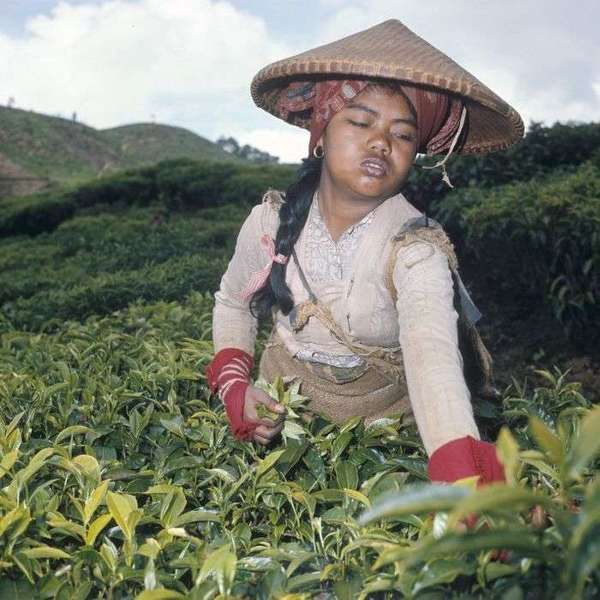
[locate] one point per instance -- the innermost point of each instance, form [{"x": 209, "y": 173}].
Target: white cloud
[
  {"x": 289, "y": 143},
  {"x": 188, "y": 62},
  {"x": 541, "y": 56}
]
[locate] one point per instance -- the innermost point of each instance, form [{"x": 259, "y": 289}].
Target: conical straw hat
[{"x": 392, "y": 51}]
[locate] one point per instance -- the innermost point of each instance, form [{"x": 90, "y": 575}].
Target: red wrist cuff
[
  {"x": 222, "y": 358},
  {"x": 229, "y": 373},
  {"x": 234, "y": 407},
  {"x": 465, "y": 457}
]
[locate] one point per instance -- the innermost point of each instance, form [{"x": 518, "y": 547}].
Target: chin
[{"x": 375, "y": 190}]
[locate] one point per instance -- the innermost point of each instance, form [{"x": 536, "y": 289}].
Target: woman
[{"x": 360, "y": 283}]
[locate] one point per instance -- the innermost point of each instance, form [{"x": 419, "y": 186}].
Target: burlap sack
[{"x": 373, "y": 395}]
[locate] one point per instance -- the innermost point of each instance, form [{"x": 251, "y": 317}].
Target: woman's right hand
[{"x": 267, "y": 428}]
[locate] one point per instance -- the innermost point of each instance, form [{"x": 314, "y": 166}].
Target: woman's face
[{"x": 370, "y": 145}]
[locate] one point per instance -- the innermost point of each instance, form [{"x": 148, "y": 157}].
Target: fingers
[
  {"x": 265, "y": 435},
  {"x": 255, "y": 398},
  {"x": 269, "y": 402}
]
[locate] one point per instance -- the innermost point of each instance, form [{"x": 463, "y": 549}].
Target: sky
[{"x": 190, "y": 62}]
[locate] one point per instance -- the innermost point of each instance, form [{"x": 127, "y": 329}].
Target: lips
[{"x": 374, "y": 167}]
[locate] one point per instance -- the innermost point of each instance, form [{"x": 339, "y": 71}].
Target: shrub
[
  {"x": 537, "y": 240},
  {"x": 120, "y": 479}
]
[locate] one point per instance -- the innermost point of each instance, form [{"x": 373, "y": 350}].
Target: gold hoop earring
[{"x": 316, "y": 152}]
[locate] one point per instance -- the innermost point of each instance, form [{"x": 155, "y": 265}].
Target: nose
[{"x": 379, "y": 142}]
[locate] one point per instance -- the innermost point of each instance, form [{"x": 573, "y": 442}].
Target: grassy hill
[
  {"x": 147, "y": 143},
  {"x": 60, "y": 150}
]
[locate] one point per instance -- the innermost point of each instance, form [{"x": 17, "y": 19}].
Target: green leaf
[
  {"x": 92, "y": 503},
  {"x": 24, "y": 475},
  {"x": 174, "y": 425},
  {"x": 150, "y": 549},
  {"x": 340, "y": 444},
  {"x": 162, "y": 594},
  {"x": 441, "y": 571},
  {"x": 415, "y": 499},
  {"x": 358, "y": 496},
  {"x": 13, "y": 590},
  {"x": 508, "y": 453},
  {"x": 221, "y": 564},
  {"x": 520, "y": 540},
  {"x": 45, "y": 552},
  {"x": 121, "y": 506},
  {"x": 8, "y": 460},
  {"x": 72, "y": 430},
  {"x": 96, "y": 527},
  {"x": 267, "y": 463},
  {"x": 173, "y": 505},
  {"x": 584, "y": 551},
  {"x": 547, "y": 440},
  {"x": 196, "y": 516},
  {"x": 88, "y": 465},
  {"x": 18, "y": 518},
  {"x": 346, "y": 474},
  {"x": 586, "y": 445},
  {"x": 494, "y": 497}
]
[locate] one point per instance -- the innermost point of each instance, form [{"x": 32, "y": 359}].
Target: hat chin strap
[{"x": 442, "y": 163}]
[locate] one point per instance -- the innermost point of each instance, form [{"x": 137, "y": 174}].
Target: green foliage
[
  {"x": 118, "y": 475},
  {"x": 95, "y": 264},
  {"x": 180, "y": 185},
  {"x": 539, "y": 240},
  {"x": 542, "y": 152},
  {"x": 120, "y": 479}
]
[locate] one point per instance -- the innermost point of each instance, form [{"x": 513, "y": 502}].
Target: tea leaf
[
  {"x": 45, "y": 552},
  {"x": 221, "y": 564},
  {"x": 96, "y": 527},
  {"x": 587, "y": 444},
  {"x": 92, "y": 503},
  {"x": 547, "y": 440},
  {"x": 415, "y": 499}
]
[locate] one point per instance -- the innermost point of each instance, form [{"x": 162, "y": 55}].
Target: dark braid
[{"x": 292, "y": 217}]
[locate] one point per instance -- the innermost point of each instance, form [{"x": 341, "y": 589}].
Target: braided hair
[{"x": 292, "y": 217}]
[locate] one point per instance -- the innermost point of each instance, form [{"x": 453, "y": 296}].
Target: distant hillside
[
  {"x": 146, "y": 143},
  {"x": 38, "y": 149}
]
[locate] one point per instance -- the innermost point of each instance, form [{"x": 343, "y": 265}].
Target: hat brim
[{"x": 392, "y": 51}]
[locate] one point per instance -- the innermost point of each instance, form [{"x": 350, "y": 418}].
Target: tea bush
[
  {"x": 539, "y": 240},
  {"x": 120, "y": 479},
  {"x": 178, "y": 184},
  {"x": 543, "y": 151},
  {"x": 98, "y": 263}
]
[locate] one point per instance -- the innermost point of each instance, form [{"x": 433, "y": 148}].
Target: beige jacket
[{"x": 422, "y": 323}]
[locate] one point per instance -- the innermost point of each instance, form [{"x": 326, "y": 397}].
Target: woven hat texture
[{"x": 391, "y": 50}]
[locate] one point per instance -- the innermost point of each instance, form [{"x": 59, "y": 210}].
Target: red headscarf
[{"x": 438, "y": 114}]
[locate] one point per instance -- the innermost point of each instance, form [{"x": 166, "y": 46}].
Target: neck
[{"x": 340, "y": 211}]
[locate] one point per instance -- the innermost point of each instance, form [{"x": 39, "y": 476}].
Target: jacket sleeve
[
  {"x": 438, "y": 393},
  {"x": 233, "y": 323}
]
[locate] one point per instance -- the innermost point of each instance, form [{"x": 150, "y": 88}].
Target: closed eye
[{"x": 358, "y": 123}]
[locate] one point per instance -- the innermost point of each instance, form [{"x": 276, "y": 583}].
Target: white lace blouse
[
  {"x": 324, "y": 259},
  {"x": 349, "y": 278}
]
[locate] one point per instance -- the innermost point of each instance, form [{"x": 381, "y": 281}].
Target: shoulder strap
[
  {"x": 411, "y": 233},
  {"x": 385, "y": 360},
  {"x": 479, "y": 362},
  {"x": 274, "y": 198}
]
